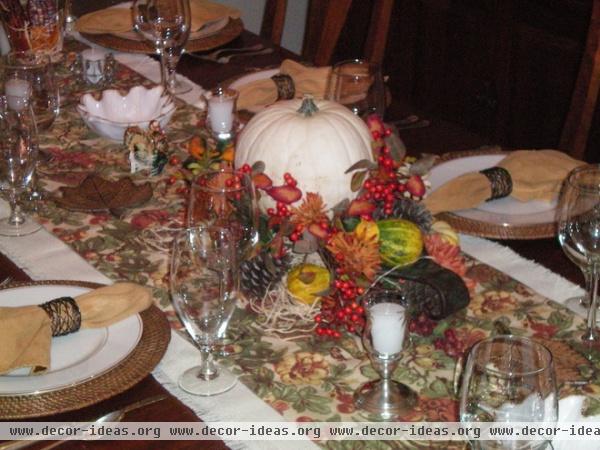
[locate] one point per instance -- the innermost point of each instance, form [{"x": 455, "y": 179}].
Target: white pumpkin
[{"x": 316, "y": 141}]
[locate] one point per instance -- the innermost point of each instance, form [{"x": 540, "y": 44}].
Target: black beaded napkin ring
[
  {"x": 64, "y": 315},
  {"x": 285, "y": 86},
  {"x": 500, "y": 181}
]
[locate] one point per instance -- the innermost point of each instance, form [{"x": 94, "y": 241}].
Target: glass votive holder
[
  {"x": 221, "y": 116},
  {"x": 30, "y": 76},
  {"x": 95, "y": 67},
  {"x": 384, "y": 337}
]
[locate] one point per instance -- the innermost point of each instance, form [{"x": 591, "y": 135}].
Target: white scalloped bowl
[{"x": 114, "y": 113}]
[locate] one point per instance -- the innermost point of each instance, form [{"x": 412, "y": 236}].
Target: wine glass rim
[
  {"x": 206, "y": 188},
  {"x": 513, "y": 338},
  {"x": 25, "y": 60},
  {"x": 583, "y": 169}
]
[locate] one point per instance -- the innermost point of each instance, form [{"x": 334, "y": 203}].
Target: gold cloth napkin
[
  {"x": 26, "y": 332},
  {"x": 535, "y": 174},
  {"x": 118, "y": 20},
  {"x": 307, "y": 80}
]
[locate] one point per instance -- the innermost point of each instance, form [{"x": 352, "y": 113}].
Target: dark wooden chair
[
  {"x": 584, "y": 100},
  {"x": 273, "y": 20},
  {"x": 325, "y": 21}
]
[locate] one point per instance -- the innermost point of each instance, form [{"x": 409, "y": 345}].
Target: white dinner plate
[
  {"x": 254, "y": 76},
  {"x": 503, "y": 214},
  {"x": 76, "y": 357}
]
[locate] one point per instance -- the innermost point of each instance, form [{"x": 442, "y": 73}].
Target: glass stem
[
  {"x": 590, "y": 334},
  {"x": 163, "y": 69},
  {"x": 171, "y": 60},
  {"x": 208, "y": 370},
  {"x": 16, "y": 217},
  {"x": 587, "y": 276}
]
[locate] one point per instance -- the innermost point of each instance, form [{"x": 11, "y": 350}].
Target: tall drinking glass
[
  {"x": 18, "y": 153},
  {"x": 509, "y": 379},
  {"x": 581, "y": 303},
  {"x": 32, "y": 72},
  {"x": 358, "y": 85},
  {"x": 226, "y": 198},
  {"x": 579, "y": 230},
  {"x": 167, "y": 24},
  {"x": 203, "y": 285}
]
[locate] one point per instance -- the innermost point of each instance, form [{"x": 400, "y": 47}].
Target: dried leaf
[
  {"x": 396, "y": 146},
  {"x": 357, "y": 180},
  {"x": 341, "y": 207},
  {"x": 285, "y": 194},
  {"x": 95, "y": 193},
  {"x": 360, "y": 207},
  {"x": 258, "y": 167},
  {"x": 362, "y": 164},
  {"x": 423, "y": 165},
  {"x": 305, "y": 246}
]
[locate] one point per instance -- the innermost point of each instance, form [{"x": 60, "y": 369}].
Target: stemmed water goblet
[
  {"x": 31, "y": 73},
  {"x": 203, "y": 289},
  {"x": 580, "y": 303},
  {"x": 18, "y": 155},
  {"x": 579, "y": 230},
  {"x": 358, "y": 85},
  {"x": 167, "y": 24},
  {"x": 508, "y": 379},
  {"x": 226, "y": 198},
  {"x": 384, "y": 337}
]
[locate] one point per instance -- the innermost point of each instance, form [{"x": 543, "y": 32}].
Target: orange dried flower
[
  {"x": 312, "y": 210},
  {"x": 445, "y": 254},
  {"x": 356, "y": 253}
]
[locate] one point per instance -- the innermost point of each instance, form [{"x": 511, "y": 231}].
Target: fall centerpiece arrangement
[{"x": 341, "y": 210}]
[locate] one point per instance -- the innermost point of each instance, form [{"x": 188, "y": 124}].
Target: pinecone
[
  {"x": 262, "y": 272},
  {"x": 407, "y": 209}
]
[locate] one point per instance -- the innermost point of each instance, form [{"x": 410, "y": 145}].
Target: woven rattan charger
[
  {"x": 491, "y": 230},
  {"x": 136, "y": 366}
]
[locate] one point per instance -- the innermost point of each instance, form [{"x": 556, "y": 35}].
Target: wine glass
[
  {"x": 203, "y": 285},
  {"x": 581, "y": 303},
  {"x": 358, "y": 85},
  {"x": 579, "y": 230},
  {"x": 32, "y": 73},
  {"x": 167, "y": 24},
  {"x": 226, "y": 198},
  {"x": 509, "y": 379},
  {"x": 384, "y": 337},
  {"x": 18, "y": 155}
]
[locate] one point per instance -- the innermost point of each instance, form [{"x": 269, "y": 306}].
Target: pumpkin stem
[{"x": 308, "y": 107}]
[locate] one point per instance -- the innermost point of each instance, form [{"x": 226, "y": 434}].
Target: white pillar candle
[
  {"x": 17, "y": 91},
  {"x": 93, "y": 64},
  {"x": 388, "y": 325},
  {"x": 220, "y": 113}
]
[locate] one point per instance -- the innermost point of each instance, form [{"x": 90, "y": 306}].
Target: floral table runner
[{"x": 307, "y": 378}]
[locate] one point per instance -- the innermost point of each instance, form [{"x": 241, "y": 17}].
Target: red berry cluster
[
  {"x": 282, "y": 209},
  {"x": 451, "y": 344},
  {"x": 246, "y": 169},
  {"x": 341, "y": 311},
  {"x": 382, "y": 185},
  {"x": 422, "y": 325}
]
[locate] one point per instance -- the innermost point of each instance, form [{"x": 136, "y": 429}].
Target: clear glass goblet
[
  {"x": 203, "y": 284},
  {"x": 226, "y": 198},
  {"x": 508, "y": 379},
  {"x": 18, "y": 156},
  {"x": 32, "y": 73},
  {"x": 578, "y": 220},
  {"x": 167, "y": 24},
  {"x": 384, "y": 337},
  {"x": 358, "y": 85}
]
